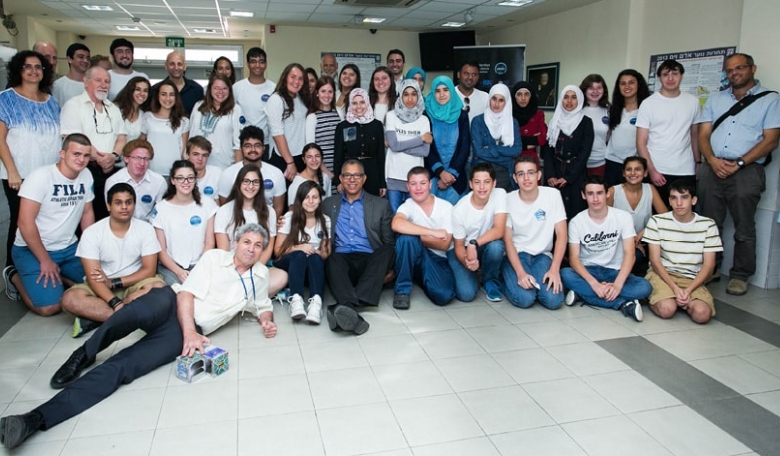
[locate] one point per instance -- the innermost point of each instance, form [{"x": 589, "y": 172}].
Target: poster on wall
[
  {"x": 366, "y": 63},
  {"x": 545, "y": 78},
  {"x": 703, "y": 70},
  {"x": 504, "y": 63}
]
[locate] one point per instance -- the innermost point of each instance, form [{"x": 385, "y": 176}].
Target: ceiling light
[
  {"x": 128, "y": 28},
  {"x": 373, "y": 20},
  {"x": 204, "y": 30},
  {"x": 242, "y": 14},
  {"x": 453, "y": 24},
  {"x": 515, "y": 2},
  {"x": 97, "y": 7},
  {"x": 468, "y": 16}
]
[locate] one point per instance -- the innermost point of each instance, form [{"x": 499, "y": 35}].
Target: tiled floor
[{"x": 474, "y": 378}]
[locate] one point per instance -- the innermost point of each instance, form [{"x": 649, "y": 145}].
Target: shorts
[
  {"x": 121, "y": 293},
  {"x": 663, "y": 291},
  {"x": 29, "y": 269}
]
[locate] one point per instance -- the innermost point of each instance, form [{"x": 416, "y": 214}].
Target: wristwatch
[
  {"x": 474, "y": 243},
  {"x": 740, "y": 162}
]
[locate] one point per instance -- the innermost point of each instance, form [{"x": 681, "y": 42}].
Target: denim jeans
[
  {"x": 634, "y": 288},
  {"x": 449, "y": 194},
  {"x": 537, "y": 266},
  {"x": 415, "y": 261},
  {"x": 489, "y": 256},
  {"x": 300, "y": 267},
  {"x": 396, "y": 198}
]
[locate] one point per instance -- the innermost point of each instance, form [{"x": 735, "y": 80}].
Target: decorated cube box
[
  {"x": 216, "y": 360},
  {"x": 190, "y": 369}
]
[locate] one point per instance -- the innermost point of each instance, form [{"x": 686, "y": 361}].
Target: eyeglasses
[
  {"x": 468, "y": 105},
  {"x": 251, "y": 182},
  {"x": 258, "y": 146},
  {"x": 737, "y": 68},
  {"x": 183, "y": 179},
  {"x": 28, "y": 67},
  {"x": 140, "y": 159},
  {"x": 522, "y": 174},
  {"x": 349, "y": 176},
  {"x": 98, "y": 127},
  {"x": 220, "y": 89}
]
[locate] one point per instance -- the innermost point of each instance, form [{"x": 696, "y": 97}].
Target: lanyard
[{"x": 246, "y": 292}]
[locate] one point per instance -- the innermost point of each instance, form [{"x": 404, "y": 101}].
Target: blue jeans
[
  {"x": 299, "y": 267},
  {"x": 489, "y": 256},
  {"x": 396, "y": 198},
  {"x": 449, "y": 195},
  {"x": 537, "y": 266},
  {"x": 415, "y": 261},
  {"x": 634, "y": 288}
]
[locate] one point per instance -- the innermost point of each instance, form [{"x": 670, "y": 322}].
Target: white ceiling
[{"x": 182, "y": 17}]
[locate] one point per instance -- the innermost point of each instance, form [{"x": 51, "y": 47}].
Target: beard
[{"x": 123, "y": 66}]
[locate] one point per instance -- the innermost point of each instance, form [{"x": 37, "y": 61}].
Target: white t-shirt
[
  {"x": 478, "y": 102},
  {"x": 315, "y": 233},
  {"x": 440, "y": 218},
  {"x": 119, "y": 81},
  {"x": 601, "y": 244},
  {"x": 102, "y": 128},
  {"x": 223, "y": 222},
  {"x": 298, "y": 180},
  {"x": 209, "y": 184},
  {"x": 669, "y": 123},
  {"x": 133, "y": 129},
  {"x": 600, "y": 118},
  {"x": 252, "y": 99},
  {"x": 622, "y": 143},
  {"x": 168, "y": 144},
  {"x": 533, "y": 225},
  {"x": 398, "y": 163},
  {"x": 184, "y": 228},
  {"x": 468, "y": 222},
  {"x": 147, "y": 192},
  {"x": 274, "y": 183},
  {"x": 118, "y": 257},
  {"x": 293, "y": 128},
  {"x": 66, "y": 88},
  {"x": 62, "y": 203},
  {"x": 222, "y": 131}
]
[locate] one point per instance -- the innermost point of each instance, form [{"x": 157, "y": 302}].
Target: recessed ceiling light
[
  {"x": 204, "y": 30},
  {"x": 373, "y": 20},
  {"x": 128, "y": 28},
  {"x": 453, "y": 24},
  {"x": 97, "y": 7},
  {"x": 515, "y": 2},
  {"x": 242, "y": 14}
]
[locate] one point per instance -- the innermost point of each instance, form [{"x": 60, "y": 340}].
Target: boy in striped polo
[{"x": 682, "y": 247}]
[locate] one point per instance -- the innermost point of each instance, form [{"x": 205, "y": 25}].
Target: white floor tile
[
  {"x": 128, "y": 444},
  {"x": 359, "y": 430},
  {"x": 769, "y": 400},
  {"x": 341, "y": 354},
  {"x": 532, "y": 365},
  {"x": 437, "y": 419},
  {"x": 738, "y": 374},
  {"x": 294, "y": 434},
  {"x": 268, "y": 361},
  {"x": 599, "y": 328},
  {"x": 613, "y": 436},
  {"x": 123, "y": 411},
  {"x": 199, "y": 404},
  {"x": 392, "y": 350},
  {"x": 586, "y": 359},
  {"x": 53, "y": 448},
  {"x": 198, "y": 440},
  {"x": 519, "y": 316},
  {"x": 12, "y": 381},
  {"x": 495, "y": 339},
  {"x": 550, "y": 333},
  {"x": 630, "y": 392},
  {"x": 411, "y": 380},
  {"x": 344, "y": 388},
  {"x": 273, "y": 396},
  {"x": 60, "y": 432},
  {"x": 467, "y": 373},
  {"x": 481, "y": 446},
  {"x": 768, "y": 360},
  {"x": 569, "y": 400},
  {"x": 546, "y": 441},
  {"x": 447, "y": 344},
  {"x": 426, "y": 321},
  {"x": 708, "y": 342},
  {"x": 28, "y": 353},
  {"x": 507, "y": 409},
  {"x": 476, "y": 316}
]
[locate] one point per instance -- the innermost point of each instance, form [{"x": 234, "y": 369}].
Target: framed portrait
[{"x": 545, "y": 78}]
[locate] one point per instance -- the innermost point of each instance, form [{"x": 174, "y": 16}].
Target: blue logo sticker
[
  {"x": 265, "y": 97},
  {"x": 146, "y": 199},
  {"x": 540, "y": 215},
  {"x": 208, "y": 190},
  {"x": 605, "y": 120},
  {"x": 268, "y": 184},
  {"x": 195, "y": 220},
  {"x": 500, "y": 68},
  {"x": 319, "y": 234},
  {"x": 632, "y": 121},
  {"x": 242, "y": 120}
]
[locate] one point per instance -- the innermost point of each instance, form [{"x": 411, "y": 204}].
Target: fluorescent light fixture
[
  {"x": 515, "y": 3},
  {"x": 373, "y": 20},
  {"x": 204, "y": 30},
  {"x": 453, "y": 24},
  {"x": 128, "y": 28},
  {"x": 97, "y": 7},
  {"x": 242, "y": 14}
]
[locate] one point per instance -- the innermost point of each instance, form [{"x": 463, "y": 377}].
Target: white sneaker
[
  {"x": 571, "y": 298},
  {"x": 314, "y": 315},
  {"x": 296, "y": 307}
]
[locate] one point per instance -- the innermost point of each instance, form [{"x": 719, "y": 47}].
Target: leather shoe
[
  {"x": 346, "y": 318},
  {"x": 71, "y": 370},
  {"x": 737, "y": 287},
  {"x": 14, "y": 429},
  {"x": 401, "y": 301}
]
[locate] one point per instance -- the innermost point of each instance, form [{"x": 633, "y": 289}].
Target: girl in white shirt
[
  {"x": 219, "y": 119},
  {"x": 312, "y": 156},
  {"x": 184, "y": 223},
  {"x": 381, "y": 93},
  {"x": 166, "y": 127},
  {"x": 630, "y": 91},
  {"x": 286, "y": 110},
  {"x": 132, "y": 100},
  {"x": 596, "y": 103}
]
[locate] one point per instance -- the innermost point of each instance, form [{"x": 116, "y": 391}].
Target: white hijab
[
  {"x": 563, "y": 120},
  {"x": 500, "y": 124}
]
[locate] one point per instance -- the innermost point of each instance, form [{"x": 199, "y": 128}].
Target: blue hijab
[
  {"x": 415, "y": 70},
  {"x": 447, "y": 113}
]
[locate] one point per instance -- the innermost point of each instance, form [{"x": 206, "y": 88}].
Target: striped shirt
[
  {"x": 683, "y": 244},
  {"x": 321, "y": 129}
]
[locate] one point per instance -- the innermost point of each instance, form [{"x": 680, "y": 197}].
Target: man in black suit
[{"x": 363, "y": 249}]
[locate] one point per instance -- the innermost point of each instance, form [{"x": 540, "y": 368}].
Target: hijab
[
  {"x": 447, "y": 113},
  {"x": 563, "y": 120},
  {"x": 368, "y": 116},
  {"x": 416, "y": 70},
  {"x": 501, "y": 124},
  {"x": 524, "y": 115},
  {"x": 409, "y": 114}
]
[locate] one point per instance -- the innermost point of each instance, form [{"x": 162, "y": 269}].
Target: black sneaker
[
  {"x": 401, "y": 301},
  {"x": 10, "y": 288},
  {"x": 71, "y": 370},
  {"x": 632, "y": 309},
  {"x": 348, "y": 319},
  {"x": 14, "y": 429},
  {"x": 82, "y": 326}
]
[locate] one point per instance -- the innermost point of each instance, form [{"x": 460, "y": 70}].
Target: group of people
[{"x": 176, "y": 190}]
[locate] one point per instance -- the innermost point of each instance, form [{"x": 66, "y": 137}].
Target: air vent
[{"x": 378, "y": 3}]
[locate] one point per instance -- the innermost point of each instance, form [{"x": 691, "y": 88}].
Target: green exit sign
[{"x": 174, "y": 41}]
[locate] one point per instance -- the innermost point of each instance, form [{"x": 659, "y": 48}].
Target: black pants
[
  {"x": 356, "y": 279},
  {"x": 13, "y": 208},
  {"x": 155, "y": 313},
  {"x": 100, "y": 177}
]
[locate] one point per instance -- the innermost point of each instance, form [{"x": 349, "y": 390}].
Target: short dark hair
[
  {"x": 472, "y": 63},
  {"x": 482, "y": 167},
  {"x": 355, "y": 162},
  {"x": 251, "y": 131},
  {"x": 256, "y": 52},
  {"x": 119, "y": 187},
  {"x": 594, "y": 179},
  {"x": 76, "y": 47},
  {"x": 77, "y": 138},
  {"x": 683, "y": 186},
  {"x": 525, "y": 159},
  {"x": 396, "y": 51},
  {"x": 636, "y": 158},
  {"x": 670, "y": 65},
  {"x": 748, "y": 57},
  {"x": 198, "y": 141},
  {"x": 418, "y": 170},
  {"x": 594, "y": 78},
  {"x": 121, "y": 42}
]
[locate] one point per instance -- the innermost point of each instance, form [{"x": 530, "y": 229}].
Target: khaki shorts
[
  {"x": 121, "y": 293},
  {"x": 663, "y": 291}
]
